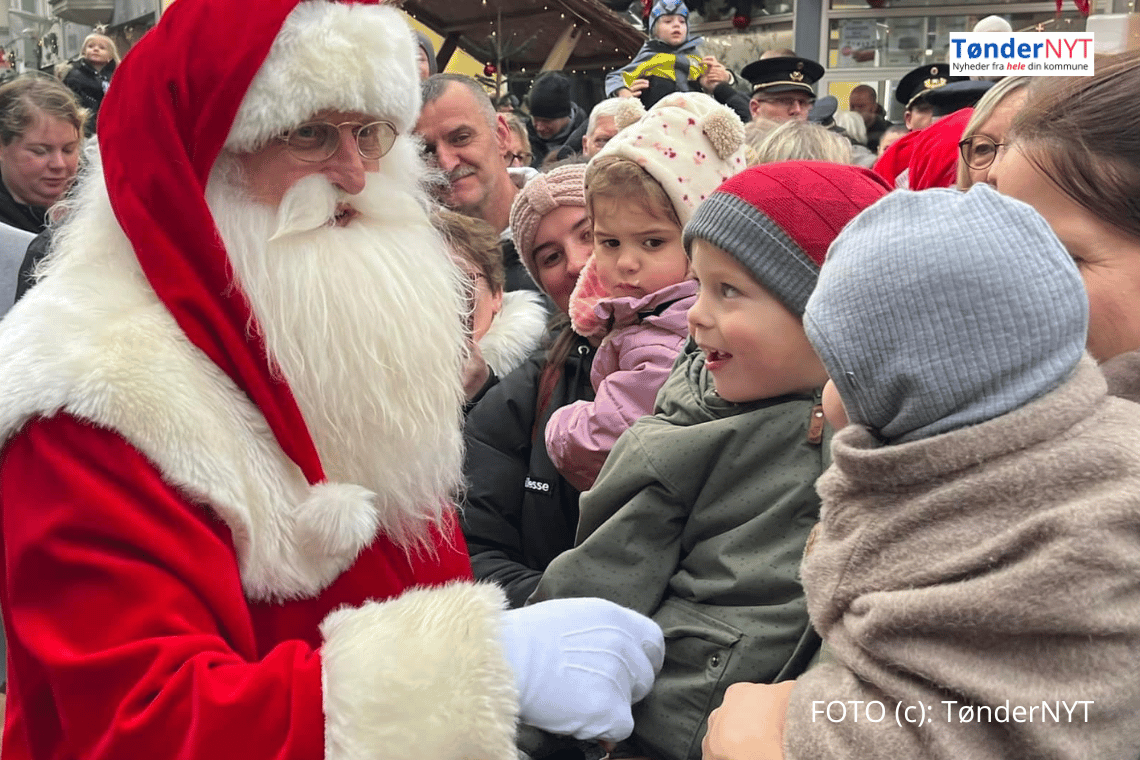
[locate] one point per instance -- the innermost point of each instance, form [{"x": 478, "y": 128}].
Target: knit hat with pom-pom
[
  {"x": 779, "y": 219},
  {"x": 687, "y": 142}
]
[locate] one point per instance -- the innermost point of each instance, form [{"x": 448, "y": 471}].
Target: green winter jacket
[{"x": 699, "y": 519}]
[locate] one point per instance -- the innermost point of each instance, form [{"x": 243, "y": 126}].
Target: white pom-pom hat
[{"x": 687, "y": 141}]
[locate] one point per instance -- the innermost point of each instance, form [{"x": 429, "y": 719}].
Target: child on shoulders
[
  {"x": 634, "y": 292},
  {"x": 700, "y": 516},
  {"x": 669, "y": 62}
]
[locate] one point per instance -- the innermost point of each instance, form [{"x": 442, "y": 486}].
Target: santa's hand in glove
[{"x": 580, "y": 664}]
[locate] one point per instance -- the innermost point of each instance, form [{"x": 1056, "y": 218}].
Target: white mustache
[
  {"x": 308, "y": 205},
  {"x": 459, "y": 173}
]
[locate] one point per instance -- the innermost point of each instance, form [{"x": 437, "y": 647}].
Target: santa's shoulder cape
[{"x": 94, "y": 341}]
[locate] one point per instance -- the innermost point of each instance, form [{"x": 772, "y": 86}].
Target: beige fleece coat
[
  {"x": 997, "y": 565},
  {"x": 1123, "y": 375}
]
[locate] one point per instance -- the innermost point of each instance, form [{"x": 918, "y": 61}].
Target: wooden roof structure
[{"x": 531, "y": 35}]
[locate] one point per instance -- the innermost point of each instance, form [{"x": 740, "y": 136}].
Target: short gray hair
[
  {"x": 853, "y": 124},
  {"x": 433, "y": 88},
  {"x": 608, "y": 107}
]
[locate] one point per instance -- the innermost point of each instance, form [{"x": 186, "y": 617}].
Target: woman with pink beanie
[{"x": 520, "y": 513}]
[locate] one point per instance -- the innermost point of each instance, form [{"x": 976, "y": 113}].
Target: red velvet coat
[{"x": 128, "y": 631}]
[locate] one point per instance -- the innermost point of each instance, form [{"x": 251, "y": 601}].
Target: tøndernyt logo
[{"x": 1041, "y": 54}]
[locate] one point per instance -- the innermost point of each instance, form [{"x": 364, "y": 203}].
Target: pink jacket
[{"x": 629, "y": 369}]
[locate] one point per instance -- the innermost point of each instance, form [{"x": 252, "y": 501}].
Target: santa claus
[{"x": 230, "y": 419}]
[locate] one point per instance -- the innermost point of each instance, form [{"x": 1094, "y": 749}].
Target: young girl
[
  {"x": 634, "y": 293},
  {"x": 90, "y": 76}
]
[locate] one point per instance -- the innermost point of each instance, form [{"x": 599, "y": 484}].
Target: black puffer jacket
[
  {"x": 89, "y": 86},
  {"x": 519, "y": 512}
]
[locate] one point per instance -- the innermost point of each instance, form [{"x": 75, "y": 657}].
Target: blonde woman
[
  {"x": 803, "y": 141},
  {"x": 986, "y": 131}
]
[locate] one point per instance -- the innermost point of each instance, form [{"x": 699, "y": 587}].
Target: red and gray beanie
[{"x": 779, "y": 219}]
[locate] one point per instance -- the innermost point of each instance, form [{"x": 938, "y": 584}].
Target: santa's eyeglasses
[{"x": 317, "y": 141}]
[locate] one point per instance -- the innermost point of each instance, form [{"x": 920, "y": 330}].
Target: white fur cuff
[{"x": 420, "y": 676}]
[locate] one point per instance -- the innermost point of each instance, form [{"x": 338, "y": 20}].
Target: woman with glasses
[
  {"x": 518, "y": 150},
  {"x": 986, "y": 130},
  {"x": 1073, "y": 153}
]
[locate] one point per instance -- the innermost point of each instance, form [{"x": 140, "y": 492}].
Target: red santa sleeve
[{"x": 129, "y": 635}]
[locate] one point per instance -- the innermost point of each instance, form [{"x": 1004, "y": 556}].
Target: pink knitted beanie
[{"x": 564, "y": 186}]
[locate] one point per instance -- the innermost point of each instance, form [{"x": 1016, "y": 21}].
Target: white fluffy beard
[{"x": 363, "y": 322}]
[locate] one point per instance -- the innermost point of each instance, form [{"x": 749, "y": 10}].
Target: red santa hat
[
  {"x": 929, "y": 156},
  {"x": 896, "y": 158},
  {"x": 214, "y": 74},
  {"x": 934, "y": 160}
]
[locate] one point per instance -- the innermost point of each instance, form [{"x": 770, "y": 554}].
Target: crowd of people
[{"x": 369, "y": 418}]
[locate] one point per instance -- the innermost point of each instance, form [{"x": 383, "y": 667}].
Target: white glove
[{"x": 580, "y": 663}]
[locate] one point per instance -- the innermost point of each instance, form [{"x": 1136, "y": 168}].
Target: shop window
[{"x": 907, "y": 41}]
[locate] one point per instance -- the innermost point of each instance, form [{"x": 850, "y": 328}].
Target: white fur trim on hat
[
  {"x": 688, "y": 142},
  {"x": 370, "y": 52}
]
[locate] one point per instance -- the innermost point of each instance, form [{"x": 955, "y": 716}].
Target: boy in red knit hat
[{"x": 701, "y": 513}]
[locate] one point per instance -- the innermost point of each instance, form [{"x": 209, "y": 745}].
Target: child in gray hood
[{"x": 976, "y": 572}]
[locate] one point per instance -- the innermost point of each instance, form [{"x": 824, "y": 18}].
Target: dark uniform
[
  {"x": 788, "y": 74},
  {"x": 912, "y": 91}
]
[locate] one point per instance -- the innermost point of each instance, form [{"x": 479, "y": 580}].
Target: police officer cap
[
  {"x": 786, "y": 74},
  {"x": 919, "y": 82},
  {"x": 954, "y": 96}
]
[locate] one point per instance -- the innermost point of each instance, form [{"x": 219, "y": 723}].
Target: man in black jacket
[{"x": 554, "y": 116}]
